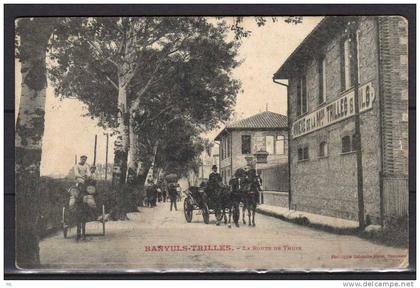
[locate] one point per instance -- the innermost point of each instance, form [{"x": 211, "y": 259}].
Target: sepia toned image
[{"x": 211, "y": 144}]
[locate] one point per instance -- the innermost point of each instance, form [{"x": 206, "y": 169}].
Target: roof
[
  {"x": 308, "y": 48},
  {"x": 263, "y": 120}
]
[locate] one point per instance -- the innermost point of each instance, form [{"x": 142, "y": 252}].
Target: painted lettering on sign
[{"x": 335, "y": 111}]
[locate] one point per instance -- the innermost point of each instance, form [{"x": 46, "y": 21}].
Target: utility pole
[
  {"x": 94, "y": 150},
  {"x": 358, "y": 143},
  {"x": 106, "y": 156}
]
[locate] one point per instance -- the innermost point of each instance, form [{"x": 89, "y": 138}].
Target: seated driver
[{"x": 214, "y": 179}]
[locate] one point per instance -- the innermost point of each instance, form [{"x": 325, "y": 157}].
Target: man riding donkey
[
  {"x": 84, "y": 176},
  {"x": 82, "y": 202}
]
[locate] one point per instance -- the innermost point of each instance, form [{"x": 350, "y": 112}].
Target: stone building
[
  {"x": 321, "y": 76},
  {"x": 239, "y": 140}
]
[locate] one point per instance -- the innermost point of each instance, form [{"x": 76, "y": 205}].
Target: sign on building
[{"x": 336, "y": 111}]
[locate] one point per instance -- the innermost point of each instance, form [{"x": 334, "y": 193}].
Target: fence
[{"x": 395, "y": 197}]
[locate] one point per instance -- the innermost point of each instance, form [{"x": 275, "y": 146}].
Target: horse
[
  {"x": 250, "y": 196},
  {"x": 235, "y": 199},
  {"x": 225, "y": 204},
  {"x": 247, "y": 186}
]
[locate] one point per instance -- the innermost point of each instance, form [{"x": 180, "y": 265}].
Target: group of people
[{"x": 160, "y": 192}]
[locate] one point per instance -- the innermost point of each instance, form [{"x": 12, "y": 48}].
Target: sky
[{"x": 68, "y": 133}]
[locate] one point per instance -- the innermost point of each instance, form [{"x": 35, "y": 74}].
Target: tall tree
[
  {"x": 33, "y": 35},
  {"x": 111, "y": 56}
]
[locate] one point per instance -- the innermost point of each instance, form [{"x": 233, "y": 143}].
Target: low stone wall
[{"x": 276, "y": 198}]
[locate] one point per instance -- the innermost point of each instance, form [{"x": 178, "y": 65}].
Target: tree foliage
[{"x": 80, "y": 71}]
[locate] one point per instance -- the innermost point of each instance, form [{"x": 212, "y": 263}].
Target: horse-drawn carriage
[
  {"x": 203, "y": 199},
  {"x": 220, "y": 199},
  {"x": 81, "y": 209}
]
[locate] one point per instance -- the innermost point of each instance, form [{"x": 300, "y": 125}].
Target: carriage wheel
[
  {"x": 219, "y": 214},
  {"x": 103, "y": 220},
  {"x": 205, "y": 210},
  {"x": 188, "y": 211},
  {"x": 63, "y": 221}
]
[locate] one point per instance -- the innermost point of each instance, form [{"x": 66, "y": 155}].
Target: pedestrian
[
  {"x": 173, "y": 195},
  {"x": 151, "y": 191}
]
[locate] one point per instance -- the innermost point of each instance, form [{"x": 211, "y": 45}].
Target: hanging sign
[{"x": 336, "y": 111}]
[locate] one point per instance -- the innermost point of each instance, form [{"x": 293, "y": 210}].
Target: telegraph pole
[
  {"x": 94, "y": 150},
  {"x": 106, "y": 156},
  {"x": 358, "y": 142}
]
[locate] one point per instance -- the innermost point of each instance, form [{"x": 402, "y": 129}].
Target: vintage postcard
[{"x": 202, "y": 144}]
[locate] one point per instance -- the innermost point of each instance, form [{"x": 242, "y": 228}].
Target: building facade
[
  {"x": 321, "y": 76},
  {"x": 238, "y": 141}
]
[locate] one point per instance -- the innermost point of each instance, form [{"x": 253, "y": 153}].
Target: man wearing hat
[
  {"x": 81, "y": 173},
  {"x": 214, "y": 177},
  {"x": 214, "y": 185},
  {"x": 81, "y": 170}
]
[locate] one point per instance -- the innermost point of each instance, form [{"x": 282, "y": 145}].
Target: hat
[
  {"x": 83, "y": 156},
  {"x": 213, "y": 167}
]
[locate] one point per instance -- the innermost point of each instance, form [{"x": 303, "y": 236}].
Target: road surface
[{"x": 156, "y": 238}]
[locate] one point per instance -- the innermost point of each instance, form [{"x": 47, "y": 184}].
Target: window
[
  {"x": 303, "y": 153},
  {"x": 302, "y": 103},
  {"x": 269, "y": 144},
  {"x": 322, "y": 81},
  {"x": 246, "y": 144},
  {"x": 346, "y": 144},
  {"x": 323, "y": 149},
  {"x": 346, "y": 65},
  {"x": 259, "y": 144},
  {"x": 280, "y": 145},
  {"x": 306, "y": 153}
]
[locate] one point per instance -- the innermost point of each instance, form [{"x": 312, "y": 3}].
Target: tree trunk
[
  {"x": 34, "y": 35},
  {"x": 121, "y": 152},
  {"x": 133, "y": 155},
  {"x": 121, "y": 142},
  {"x": 152, "y": 166}
]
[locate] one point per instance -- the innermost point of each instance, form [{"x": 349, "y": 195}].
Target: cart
[{"x": 197, "y": 199}]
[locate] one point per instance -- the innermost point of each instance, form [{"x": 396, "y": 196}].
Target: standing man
[{"x": 173, "y": 194}]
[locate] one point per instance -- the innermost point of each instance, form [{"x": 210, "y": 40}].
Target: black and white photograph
[{"x": 211, "y": 143}]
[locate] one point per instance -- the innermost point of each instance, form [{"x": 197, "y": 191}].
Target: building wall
[
  {"x": 237, "y": 160},
  {"x": 393, "y": 34},
  {"x": 328, "y": 185},
  {"x": 394, "y": 56}
]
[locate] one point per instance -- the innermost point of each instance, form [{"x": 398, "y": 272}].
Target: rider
[{"x": 81, "y": 174}]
